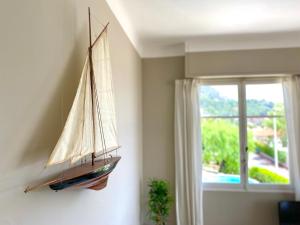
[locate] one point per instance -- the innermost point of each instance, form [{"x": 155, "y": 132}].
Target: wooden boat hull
[
  {"x": 95, "y": 179},
  {"x": 95, "y": 184}
]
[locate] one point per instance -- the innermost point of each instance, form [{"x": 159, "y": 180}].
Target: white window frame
[{"x": 244, "y": 186}]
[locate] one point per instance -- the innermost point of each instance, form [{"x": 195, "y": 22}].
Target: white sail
[
  {"x": 91, "y": 123},
  {"x": 105, "y": 117}
]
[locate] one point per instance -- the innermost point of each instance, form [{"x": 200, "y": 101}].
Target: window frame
[{"x": 244, "y": 186}]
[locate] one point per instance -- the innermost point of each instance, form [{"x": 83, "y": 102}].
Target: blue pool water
[{"x": 226, "y": 178}]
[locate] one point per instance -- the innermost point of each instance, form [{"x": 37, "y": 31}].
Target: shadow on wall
[
  {"x": 44, "y": 138},
  {"x": 48, "y": 127}
]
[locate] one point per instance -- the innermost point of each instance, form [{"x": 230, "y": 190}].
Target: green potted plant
[{"x": 159, "y": 201}]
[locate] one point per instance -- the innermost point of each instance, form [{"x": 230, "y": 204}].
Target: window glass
[
  {"x": 261, "y": 126},
  {"x": 267, "y": 136},
  {"x": 220, "y": 133},
  {"x": 219, "y": 100}
]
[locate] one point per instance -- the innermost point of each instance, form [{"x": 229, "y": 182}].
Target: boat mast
[{"x": 92, "y": 80}]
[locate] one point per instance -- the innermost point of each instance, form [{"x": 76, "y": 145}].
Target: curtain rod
[{"x": 212, "y": 77}]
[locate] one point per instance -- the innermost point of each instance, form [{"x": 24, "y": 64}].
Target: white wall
[
  {"x": 158, "y": 119},
  {"x": 237, "y": 62},
  {"x": 42, "y": 50},
  {"x": 242, "y": 208}
]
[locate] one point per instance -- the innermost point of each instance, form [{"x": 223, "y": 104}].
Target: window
[{"x": 244, "y": 138}]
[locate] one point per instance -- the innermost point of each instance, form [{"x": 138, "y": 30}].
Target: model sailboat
[{"x": 90, "y": 130}]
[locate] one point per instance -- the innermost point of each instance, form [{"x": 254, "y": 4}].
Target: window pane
[
  {"x": 221, "y": 154},
  {"x": 219, "y": 100},
  {"x": 262, "y": 99},
  {"x": 267, "y": 135}
]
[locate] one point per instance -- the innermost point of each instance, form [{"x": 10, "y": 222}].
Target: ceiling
[{"x": 172, "y": 27}]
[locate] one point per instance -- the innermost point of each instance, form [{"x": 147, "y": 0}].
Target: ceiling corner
[{"x": 120, "y": 14}]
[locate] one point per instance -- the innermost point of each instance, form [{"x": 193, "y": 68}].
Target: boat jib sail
[{"x": 91, "y": 123}]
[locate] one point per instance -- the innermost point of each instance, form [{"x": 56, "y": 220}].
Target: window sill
[{"x": 250, "y": 188}]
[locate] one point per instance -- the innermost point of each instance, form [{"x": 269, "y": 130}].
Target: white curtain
[
  {"x": 291, "y": 90},
  {"x": 188, "y": 154}
]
